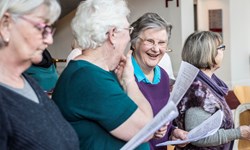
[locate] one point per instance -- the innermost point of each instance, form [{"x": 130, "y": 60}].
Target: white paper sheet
[
  {"x": 205, "y": 129},
  {"x": 185, "y": 78},
  {"x": 186, "y": 75},
  {"x": 167, "y": 114}
]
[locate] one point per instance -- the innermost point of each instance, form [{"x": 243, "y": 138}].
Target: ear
[
  {"x": 112, "y": 36},
  {"x": 5, "y": 27},
  {"x": 132, "y": 47}
]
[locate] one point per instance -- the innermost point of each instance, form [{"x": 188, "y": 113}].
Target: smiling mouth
[{"x": 153, "y": 55}]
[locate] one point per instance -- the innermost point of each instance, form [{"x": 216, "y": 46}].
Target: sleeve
[
  {"x": 3, "y": 129},
  {"x": 195, "y": 116},
  {"x": 102, "y": 100}
]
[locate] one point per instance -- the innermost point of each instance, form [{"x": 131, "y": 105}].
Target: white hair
[{"x": 94, "y": 18}]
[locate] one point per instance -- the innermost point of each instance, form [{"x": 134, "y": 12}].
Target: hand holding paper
[{"x": 205, "y": 129}]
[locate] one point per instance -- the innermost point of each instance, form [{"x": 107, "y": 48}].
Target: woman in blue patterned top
[{"x": 205, "y": 50}]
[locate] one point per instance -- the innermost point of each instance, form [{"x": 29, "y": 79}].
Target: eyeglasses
[
  {"x": 130, "y": 29},
  {"x": 151, "y": 43},
  {"x": 44, "y": 28},
  {"x": 168, "y": 50},
  {"x": 221, "y": 47}
]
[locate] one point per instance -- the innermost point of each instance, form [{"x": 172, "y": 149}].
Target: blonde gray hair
[
  {"x": 200, "y": 49},
  {"x": 21, "y": 7}
]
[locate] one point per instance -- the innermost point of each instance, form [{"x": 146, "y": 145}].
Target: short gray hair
[
  {"x": 94, "y": 18},
  {"x": 148, "y": 21},
  {"x": 200, "y": 49}
]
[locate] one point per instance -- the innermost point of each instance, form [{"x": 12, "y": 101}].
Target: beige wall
[
  {"x": 235, "y": 69},
  {"x": 240, "y": 41},
  {"x": 62, "y": 40},
  {"x": 203, "y": 24}
]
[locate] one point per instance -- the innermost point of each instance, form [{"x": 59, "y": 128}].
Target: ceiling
[{"x": 68, "y": 6}]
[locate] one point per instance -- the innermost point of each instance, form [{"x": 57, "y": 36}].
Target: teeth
[{"x": 152, "y": 55}]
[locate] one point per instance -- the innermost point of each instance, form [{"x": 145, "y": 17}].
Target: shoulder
[
  {"x": 163, "y": 72},
  {"x": 73, "y": 54},
  {"x": 199, "y": 95}
]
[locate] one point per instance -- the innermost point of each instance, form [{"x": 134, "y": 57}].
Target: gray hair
[
  {"x": 148, "y": 21},
  {"x": 94, "y": 18},
  {"x": 200, "y": 49}
]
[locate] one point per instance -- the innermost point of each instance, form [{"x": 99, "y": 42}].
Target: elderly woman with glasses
[
  {"x": 204, "y": 50},
  {"x": 105, "y": 109},
  {"x": 28, "y": 118},
  {"x": 149, "y": 42}
]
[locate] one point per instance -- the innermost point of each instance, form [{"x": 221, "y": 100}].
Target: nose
[
  {"x": 156, "y": 48},
  {"x": 48, "y": 39}
]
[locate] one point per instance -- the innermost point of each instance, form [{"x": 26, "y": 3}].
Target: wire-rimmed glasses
[{"x": 151, "y": 43}]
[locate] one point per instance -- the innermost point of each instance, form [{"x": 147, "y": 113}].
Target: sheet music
[
  {"x": 205, "y": 129},
  {"x": 167, "y": 114},
  {"x": 185, "y": 78},
  {"x": 186, "y": 75}
]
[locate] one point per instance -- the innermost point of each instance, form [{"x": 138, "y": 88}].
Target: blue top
[
  {"x": 140, "y": 75},
  {"x": 46, "y": 77}
]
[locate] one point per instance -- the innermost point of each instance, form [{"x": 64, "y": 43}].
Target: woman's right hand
[{"x": 245, "y": 132}]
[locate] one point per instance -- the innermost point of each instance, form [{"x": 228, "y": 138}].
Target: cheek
[
  {"x": 33, "y": 39},
  {"x": 141, "y": 52},
  {"x": 162, "y": 53},
  {"x": 219, "y": 58},
  {"x": 143, "y": 49}
]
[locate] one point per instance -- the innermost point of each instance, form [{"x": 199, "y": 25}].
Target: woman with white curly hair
[{"x": 97, "y": 92}]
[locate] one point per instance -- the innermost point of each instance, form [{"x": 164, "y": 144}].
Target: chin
[{"x": 36, "y": 59}]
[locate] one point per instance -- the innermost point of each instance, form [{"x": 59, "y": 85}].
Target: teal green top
[
  {"x": 94, "y": 103},
  {"x": 46, "y": 77}
]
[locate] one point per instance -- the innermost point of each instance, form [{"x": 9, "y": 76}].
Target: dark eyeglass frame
[
  {"x": 44, "y": 28},
  {"x": 221, "y": 47}
]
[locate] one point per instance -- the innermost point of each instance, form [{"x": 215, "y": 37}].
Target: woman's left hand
[
  {"x": 179, "y": 134},
  {"x": 161, "y": 132}
]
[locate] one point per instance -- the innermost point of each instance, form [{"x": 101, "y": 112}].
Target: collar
[{"x": 141, "y": 76}]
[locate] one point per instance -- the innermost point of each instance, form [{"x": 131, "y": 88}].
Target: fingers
[
  {"x": 179, "y": 134},
  {"x": 245, "y": 132},
  {"x": 159, "y": 134},
  {"x": 129, "y": 54},
  {"x": 183, "y": 135}
]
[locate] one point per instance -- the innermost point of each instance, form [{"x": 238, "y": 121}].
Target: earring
[{"x": 6, "y": 40}]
